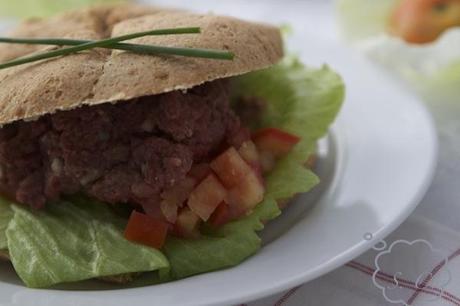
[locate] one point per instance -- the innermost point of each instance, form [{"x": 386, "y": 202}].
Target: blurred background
[{"x": 43, "y": 8}]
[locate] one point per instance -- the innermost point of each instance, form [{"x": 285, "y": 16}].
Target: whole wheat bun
[{"x": 99, "y": 76}]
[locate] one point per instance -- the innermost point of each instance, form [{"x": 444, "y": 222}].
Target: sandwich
[{"x": 115, "y": 164}]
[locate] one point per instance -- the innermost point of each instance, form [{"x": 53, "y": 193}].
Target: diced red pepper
[
  {"x": 230, "y": 167},
  {"x": 205, "y": 198},
  {"x": 187, "y": 224},
  {"x": 221, "y": 215},
  {"x": 250, "y": 154},
  {"x": 247, "y": 194},
  {"x": 275, "y": 141},
  {"x": 146, "y": 230},
  {"x": 169, "y": 211}
]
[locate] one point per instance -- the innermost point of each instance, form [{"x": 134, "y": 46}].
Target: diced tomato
[
  {"x": 246, "y": 195},
  {"x": 178, "y": 194},
  {"x": 221, "y": 215},
  {"x": 249, "y": 153},
  {"x": 244, "y": 183},
  {"x": 275, "y": 141},
  {"x": 187, "y": 224},
  {"x": 205, "y": 198},
  {"x": 146, "y": 230},
  {"x": 199, "y": 172},
  {"x": 230, "y": 167},
  {"x": 169, "y": 211}
]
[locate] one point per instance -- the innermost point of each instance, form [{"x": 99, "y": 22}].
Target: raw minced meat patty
[{"x": 117, "y": 153}]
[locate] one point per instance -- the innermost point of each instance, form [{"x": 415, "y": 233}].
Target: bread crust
[{"x": 100, "y": 76}]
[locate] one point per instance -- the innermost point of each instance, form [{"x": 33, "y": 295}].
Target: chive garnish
[
  {"x": 114, "y": 43},
  {"x": 135, "y": 48}
]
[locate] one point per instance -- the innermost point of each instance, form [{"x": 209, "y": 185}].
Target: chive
[
  {"x": 135, "y": 48},
  {"x": 107, "y": 42}
]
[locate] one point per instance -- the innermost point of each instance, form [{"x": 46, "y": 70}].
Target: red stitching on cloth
[
  {"x": 286, "y": 296},
  {"x": 424, "y": 288},
  {"x": 427, "y": 279},
  {"x": 401, "y": 280},
  {"x": 389, "y": 279},
  {"x": 405, "y": 283},
  {"x": 454, "y": 254}
]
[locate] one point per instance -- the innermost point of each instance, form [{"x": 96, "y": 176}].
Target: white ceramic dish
[{"x": 375, "y": 164}]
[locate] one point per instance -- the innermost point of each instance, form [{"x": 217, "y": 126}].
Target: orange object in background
[{"x": 423, "y": 21}]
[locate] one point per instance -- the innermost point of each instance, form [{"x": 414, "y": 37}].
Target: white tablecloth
[{"x": 428, "y": 275}]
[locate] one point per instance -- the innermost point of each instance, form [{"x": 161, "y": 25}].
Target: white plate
[{"x": 376, "y": 164}]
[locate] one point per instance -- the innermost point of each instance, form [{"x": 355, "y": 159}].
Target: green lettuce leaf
[
  {"x": 43, "y": 8},
  {"x": 74, "y": 241},
  {"x": 301, "y": 100},
  {"x": 78, "y": 240},
  {"x": 431, "y": 69},
  {"x": 227, "y": 247}
]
